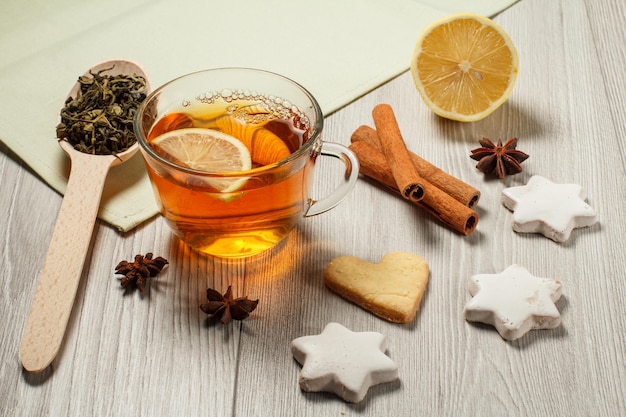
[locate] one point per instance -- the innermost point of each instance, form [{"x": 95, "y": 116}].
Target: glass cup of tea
[{"x": 231, "y": 154}]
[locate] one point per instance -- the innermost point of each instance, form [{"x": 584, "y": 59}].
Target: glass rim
[{"x": 315, "y": 129}]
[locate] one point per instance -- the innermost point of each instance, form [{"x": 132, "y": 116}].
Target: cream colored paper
[{"x": 337, "y": 49}]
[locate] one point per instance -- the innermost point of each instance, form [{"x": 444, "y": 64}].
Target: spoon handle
[{"x": 62, "y": 268}]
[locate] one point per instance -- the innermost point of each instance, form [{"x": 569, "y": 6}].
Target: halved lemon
[
  {"x": 464, "y": 67},
  {"x": 206, "y": 150}
]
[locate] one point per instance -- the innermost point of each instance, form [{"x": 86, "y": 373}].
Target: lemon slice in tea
[
  {"x": 464, "y": 67},
  {"x": 206, "y": 150}
]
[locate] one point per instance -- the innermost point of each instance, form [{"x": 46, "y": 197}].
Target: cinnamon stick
[
  {"x": 405, "y": 175},
  {"x": 451, "y": 185},
  {"x": 436, "y": 202}
]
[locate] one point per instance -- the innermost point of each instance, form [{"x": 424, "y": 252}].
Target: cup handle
[{"x": 351, "y": 162}]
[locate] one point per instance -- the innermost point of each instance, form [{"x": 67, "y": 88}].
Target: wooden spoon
[{"x": 70, "y": 242}]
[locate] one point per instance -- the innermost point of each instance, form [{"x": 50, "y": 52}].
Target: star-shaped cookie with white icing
[
  {"x": 343, "y": 362},
  {"x": 554, "y": 210},
  {"x": 514, "y": 302}
]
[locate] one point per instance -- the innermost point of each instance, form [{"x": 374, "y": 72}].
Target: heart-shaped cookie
[{"x": 391, "y": 289}]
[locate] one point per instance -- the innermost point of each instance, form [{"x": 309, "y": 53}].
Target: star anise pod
[
  {"x": 227, "y": 308},
  {"x": 503, "y": 159},
  {"x": 137, "y": 273}
]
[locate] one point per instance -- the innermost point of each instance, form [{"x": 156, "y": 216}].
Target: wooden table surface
[{"x": 158, "y": 355}]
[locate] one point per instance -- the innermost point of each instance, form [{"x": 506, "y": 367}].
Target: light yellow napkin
[{"x": 337, "y": 49}]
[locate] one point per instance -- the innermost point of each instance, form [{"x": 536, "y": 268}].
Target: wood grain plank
[
  {"x": 450, "y": 367},
  {"x": 159, "y": 355}
]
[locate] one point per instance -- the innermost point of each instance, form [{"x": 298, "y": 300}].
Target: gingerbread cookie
[
  {"x": 554, "y": 210},
  {"x": 514, "y": 301},
  {"x": 343, "y": 362},
  {"x": 391, "y": 289}
]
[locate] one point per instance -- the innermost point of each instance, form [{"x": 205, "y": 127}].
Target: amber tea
[
  {"x": 232, "y": 167},
  {"x": 256, "y": 216}
]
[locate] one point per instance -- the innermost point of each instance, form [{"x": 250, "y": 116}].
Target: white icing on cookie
[
  {"x": 514, "y": 301},
  {"x": 554, "y": 210},
  {"x": 343, "y": 362}
]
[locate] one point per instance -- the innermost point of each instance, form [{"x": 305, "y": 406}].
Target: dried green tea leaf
[{"x": 99, "y": 120}]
